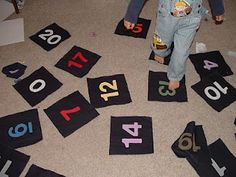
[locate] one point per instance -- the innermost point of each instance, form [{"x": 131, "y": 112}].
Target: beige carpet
[{"x": 85, "y": 153}]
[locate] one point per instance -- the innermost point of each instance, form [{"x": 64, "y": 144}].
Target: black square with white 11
[
  {"x": 78, "y": 61},
  {"x": 131, "y": 135}
]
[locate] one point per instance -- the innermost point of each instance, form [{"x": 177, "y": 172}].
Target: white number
[
  {"x": 220, "y": 171},
  {"x": 217, "y": 93},
  {"x": 5, "y": 168},
  {"x": 20, "y": 130},
  {"x": 134, "y": 132},
  {"x": 49, "y": 32},
  {"x": 41, "y": 87},
  {"x": 209, "y": 64},
  {"x": 14, "y": 71}
]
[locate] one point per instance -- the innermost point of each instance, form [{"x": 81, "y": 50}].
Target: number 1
[
  {"x": 220, "y": 171},
  {"x": 5, "y": 168}
]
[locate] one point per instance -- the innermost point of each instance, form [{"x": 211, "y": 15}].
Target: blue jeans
[{"x": 181, "y": 31}]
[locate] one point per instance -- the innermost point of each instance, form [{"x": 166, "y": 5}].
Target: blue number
[{"x": 20, "y": 130}]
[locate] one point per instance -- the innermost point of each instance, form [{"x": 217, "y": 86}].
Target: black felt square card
[
  {"x": 220, "y": 161},
  {"x": 108, "y": 90},
  {"x": 216, "y": 91},
  {"x": 14, "y": 70},
  {"x": 210, "y": 62},
  {"x": 131, "y": 135},
  {"x": 158, "y": 89},
  {"x": 37, "y": 86},
  {"x": 20, "y": 129},
  {"x": 50, "y": 36},
  {"x": 78, "y": 61},
  {"x": 71, "y": 113},
  {"x": 36, "y": 171},
  {"x": 139, "y": 31},
  {"x": 12, "y": 162},
  {"x": 223, "y": 161}
]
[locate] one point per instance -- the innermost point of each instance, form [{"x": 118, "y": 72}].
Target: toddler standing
[{"x": 177, "y": 22}]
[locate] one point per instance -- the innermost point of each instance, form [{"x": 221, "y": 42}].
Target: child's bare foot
[
  {"x": 173, "y": 85},
  {"x": 159, "y": 59}
]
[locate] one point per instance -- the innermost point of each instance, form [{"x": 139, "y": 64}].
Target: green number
[{"x": 167, "y": 92}]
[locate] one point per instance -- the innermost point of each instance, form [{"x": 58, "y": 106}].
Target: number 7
[{"x": 65, "y": 113}]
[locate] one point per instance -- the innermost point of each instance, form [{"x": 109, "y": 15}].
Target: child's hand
[
  {"x": 128, "y": 25},
  {"x": 219, "y": 19}
]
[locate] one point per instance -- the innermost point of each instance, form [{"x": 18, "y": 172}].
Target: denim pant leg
[
  {"x": 165, "y": 28},
  {"x": 183, "y": 39}
]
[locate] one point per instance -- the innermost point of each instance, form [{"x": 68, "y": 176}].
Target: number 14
[{"x": 134, "y": 132}]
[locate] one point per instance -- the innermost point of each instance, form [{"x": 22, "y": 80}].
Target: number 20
[{"x": 49, "y": 33}]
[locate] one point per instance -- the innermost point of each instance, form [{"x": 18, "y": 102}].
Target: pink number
[
  {"x": 132, "y": 129},
  {"x": 135, "y": 127},
  {"x": 127, "y": 141},
  {"x": 65, "y": 113}
]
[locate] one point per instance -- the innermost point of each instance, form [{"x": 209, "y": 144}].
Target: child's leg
[
  {"x": 164, "y": 32},
  {"x": 183, "y": 38}
]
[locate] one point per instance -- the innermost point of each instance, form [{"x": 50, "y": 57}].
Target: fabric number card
[
  {"x": 78, "y": 61},
  {"x": 20, "y": 129},
  {"x": 71, "y": 113},
  {"x": 14, "y": 70},
  {"x": 222, "y": 160},
  {"x": 216, "y": 91},
  {"x": 209, "y": 62},
  {"x": 108, "y": 90},
  {"x": 191, "y": 144},
  {"x": 36, "y": 171},
  {"x": 50, "y": 36},
  {"x": 131, "y": 135},
  {"x": 139, "y": 31},
  {"x": 158, "y": 89},
  {"x": 37, "y": 86},
  {"x": 12, "y": 162}
]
